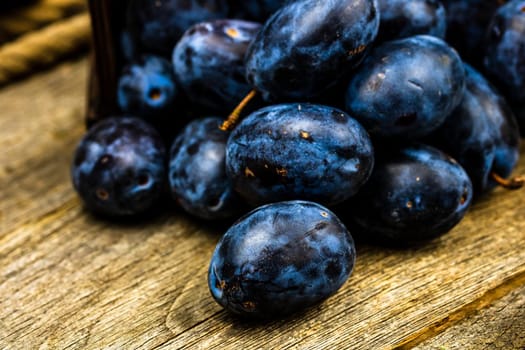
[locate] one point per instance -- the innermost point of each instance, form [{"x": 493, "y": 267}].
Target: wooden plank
[
  {"x": 501, "y": 326},
  {"x": 69, "y": 280},
  {"x": 41, "y": 122}
]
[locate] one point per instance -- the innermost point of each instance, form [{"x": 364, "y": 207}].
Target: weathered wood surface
[
  {"x": 69, "y": 280},
  {"x": 498, "y": 327}
]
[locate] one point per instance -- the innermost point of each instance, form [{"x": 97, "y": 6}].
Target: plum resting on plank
[
  {"x": 119, "y": 167},
  {"x": 281, "y": 258}
]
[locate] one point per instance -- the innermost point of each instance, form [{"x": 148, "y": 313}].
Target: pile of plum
[{"x": 394, "y": 114}]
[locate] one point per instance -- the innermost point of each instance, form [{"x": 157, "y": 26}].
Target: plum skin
[
  {"x": 298, "y": 151},
  {"x": 406, "y": 88},
  {"x": 197, "y": 171},
  {"x": 415, "y": 193},
  {"x": 119, "y": 167},
  {"x": 279, "y": 259},
  {"x": 308, "y": 45}
]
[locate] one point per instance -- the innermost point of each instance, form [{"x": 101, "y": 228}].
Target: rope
[
  {"x": 38, "y": 49},
  {"x": 31, "y": 17}
]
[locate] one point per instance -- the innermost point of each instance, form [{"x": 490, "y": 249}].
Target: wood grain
[
  {"x": 71, "y": 281},
  {"x": 500, "y": 326}
]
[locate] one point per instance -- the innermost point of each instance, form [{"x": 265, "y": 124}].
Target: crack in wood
[{"x": 488, "y": 298}]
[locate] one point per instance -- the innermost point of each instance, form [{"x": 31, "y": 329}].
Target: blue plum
[
  {"x": 197, "y": 171},
  {"x": 504, "y": 59},
  {"x": 481, "y": 133},
  {"x": 404, "y": 18},
  {"x": 156, "y": 26},
  {"x": 406, "y": 88},
  {"x": 467, "y": 22},
  {"x": 119, "y": 167},
  {"x": 298, "y": 151},
  {"x": 308, "y": 45},
  {"x": 147, "y": 87},
  {"x": 279, "y": 259},
  {"x": 414, "y": 194},
  {"x": 209, "y": 63}
]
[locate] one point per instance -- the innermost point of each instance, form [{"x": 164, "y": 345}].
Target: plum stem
[
  {"x": 232, "y": 119},
  {"x": 511, "y": 183}
]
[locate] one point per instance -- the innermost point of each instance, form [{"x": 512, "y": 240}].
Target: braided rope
[
  {"x": 43, "y": 12},
  {"x": 39, "y": 49}
]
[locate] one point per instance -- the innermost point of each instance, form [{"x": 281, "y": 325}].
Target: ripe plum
[
  {"x": 298, "y": 151},
  {"x": 281, "y": 258}
]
